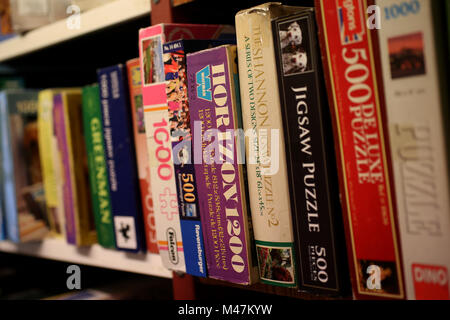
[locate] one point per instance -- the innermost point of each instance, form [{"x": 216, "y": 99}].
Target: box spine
[
  {"x": 417, "y": 136},
  {"x": 181, "y": 140},
  {"x": 121, "y": 161},
  {"x": 50, "y": 164},
  {"x": 357, "y": 107},
  {"x": 320, "y": 243},
  {"x": 68, "y": 128},
  {"x": 8, "y": 185},
  {"x": 218, "y": 168},
  {"x": 2, "y": 219},
  {"x": 266, "y": 161},
  {"x": 2, "y": 174},
  {"x": 140, "y": 141},
  {"x": 85, "y": 225},
  {"x": 156, "y": 118},
  {"x": 25, "y": 218},
  {"x": 59, "y": 124},
  {"x": 93, "y": 134}
]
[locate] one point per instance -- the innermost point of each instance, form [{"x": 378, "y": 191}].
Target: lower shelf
[
  {"x": 269, "y": 289},
  {"x": 58, "y": 249}
]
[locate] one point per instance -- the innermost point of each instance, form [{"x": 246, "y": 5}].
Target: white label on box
[{"x": 125, "y": 232}]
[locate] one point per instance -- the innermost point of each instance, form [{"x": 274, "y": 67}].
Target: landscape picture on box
[
  {"x": 152, "y": 60},
  {"x": 276, "y": 264},
  {"x": 139, "y": 103},
  {"x": 378, "y": 275},
  {"x": 406, "y": 55},
  {"x": 294, "y": 46}
]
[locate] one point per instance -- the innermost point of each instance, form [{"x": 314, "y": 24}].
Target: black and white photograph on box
[{"x": 294, "y": 46}]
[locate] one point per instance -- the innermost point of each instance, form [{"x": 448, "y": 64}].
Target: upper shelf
[
  {"x": 58, "y": 249},
  {"x": 92, "y": 20}
]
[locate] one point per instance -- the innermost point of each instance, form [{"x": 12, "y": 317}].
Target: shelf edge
[{"x": 58, "y": 249}]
